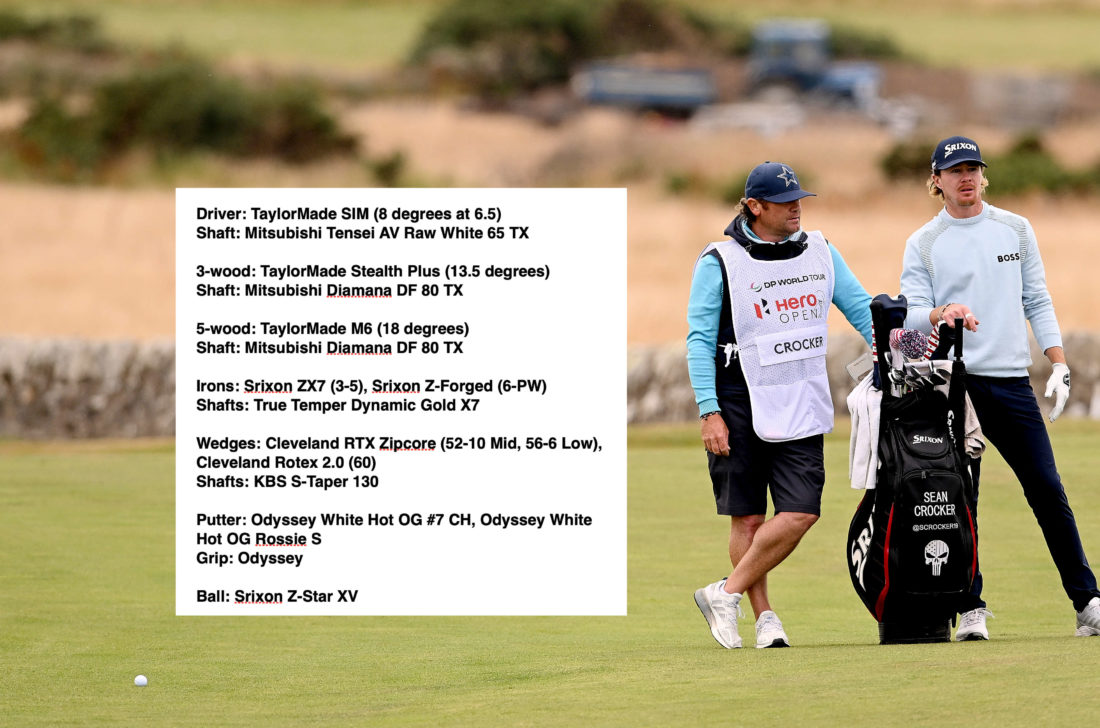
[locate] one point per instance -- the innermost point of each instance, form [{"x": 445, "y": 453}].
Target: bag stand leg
[{"x": 907, "y": 631}]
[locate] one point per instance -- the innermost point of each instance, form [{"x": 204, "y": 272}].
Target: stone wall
[
  {"x": 658, "y": 389},
  {"x": 79, "y": 388}
]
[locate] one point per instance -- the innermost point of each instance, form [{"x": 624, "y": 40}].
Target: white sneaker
[
  {"x": 721, "y": 611},
  {"x": 1088, "y": 619},
  {"x": 769, "y": 631},
  {"x": 972, "y": 625}
]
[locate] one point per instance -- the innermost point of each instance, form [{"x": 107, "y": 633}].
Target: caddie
[
  {"x": 756, "y": 357},
  {"x": 975, "y": 261}
]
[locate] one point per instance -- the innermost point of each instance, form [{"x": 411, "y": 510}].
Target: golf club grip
[{"x": 959, "y": 338}]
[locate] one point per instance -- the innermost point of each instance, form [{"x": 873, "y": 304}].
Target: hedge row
[
  {"x": 1026, "y": 166},
  {"x": 174, "y": 106},
  {"x": 499, "y": 47}
]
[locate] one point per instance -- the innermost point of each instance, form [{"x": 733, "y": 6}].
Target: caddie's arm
[
  {"x": 704, "y": 312},
  {"x": 850, "y": 296},
  {"x": 716, "y": 436}
]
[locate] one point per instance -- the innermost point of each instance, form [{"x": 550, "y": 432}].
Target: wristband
[{"x": 709, "y": 414}]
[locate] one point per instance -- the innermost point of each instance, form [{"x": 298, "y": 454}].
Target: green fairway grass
[
  {"x": 1000, "y": 34},
  {"x": 87, "y": 603},
  {"x": 334, "y": 34},
  {"x": 347, "y": 35}
]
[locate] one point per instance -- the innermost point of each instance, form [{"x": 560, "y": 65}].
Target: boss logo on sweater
[{"x": 1008, "y": 257}]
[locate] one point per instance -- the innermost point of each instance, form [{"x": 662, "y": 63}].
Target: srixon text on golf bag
[{"x": 912, "y": 544}]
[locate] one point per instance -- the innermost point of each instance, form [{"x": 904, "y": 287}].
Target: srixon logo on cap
[{"x": 949, "y": 149}]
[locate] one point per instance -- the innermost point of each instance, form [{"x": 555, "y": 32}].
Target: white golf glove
[{"x": 1058, "y": 385}]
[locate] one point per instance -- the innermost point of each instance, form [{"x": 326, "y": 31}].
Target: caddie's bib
[{"x": 779, "y": 310}]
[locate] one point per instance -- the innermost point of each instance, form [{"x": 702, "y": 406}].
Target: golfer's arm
[
  {"x": 1037, "y": 302},
  {"x": 916, "y": 286}
]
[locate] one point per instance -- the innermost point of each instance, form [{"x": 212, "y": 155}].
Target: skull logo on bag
[{"x": 935, "y": 555}]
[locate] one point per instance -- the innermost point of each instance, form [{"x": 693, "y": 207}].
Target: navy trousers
[{"x": 1011, "y": 421}]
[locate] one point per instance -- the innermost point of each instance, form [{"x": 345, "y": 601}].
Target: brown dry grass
[
  {"x": 100, "y": 262},
  {"x": 87, "y": 262},
  {"x": 666, "y": 237}
]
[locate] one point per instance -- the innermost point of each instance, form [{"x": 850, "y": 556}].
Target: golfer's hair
[
  {"x": 935, "y": 191},
  {"x": 743, "y": 209}
]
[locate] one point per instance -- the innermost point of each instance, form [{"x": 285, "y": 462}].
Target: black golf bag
[{"x": 912, "y": 544}]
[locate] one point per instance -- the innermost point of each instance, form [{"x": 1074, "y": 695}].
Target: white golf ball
[{"x": 141, "y": 681}]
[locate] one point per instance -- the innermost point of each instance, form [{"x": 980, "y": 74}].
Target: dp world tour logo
[{"x": 756, "y": 287}]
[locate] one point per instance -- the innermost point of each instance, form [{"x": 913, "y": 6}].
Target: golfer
[
  {"x": 756, "y": 358},
  {"x": 979, "y": 263}
]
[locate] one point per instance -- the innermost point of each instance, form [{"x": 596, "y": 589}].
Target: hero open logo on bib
[{"x": 786, "y": 346}]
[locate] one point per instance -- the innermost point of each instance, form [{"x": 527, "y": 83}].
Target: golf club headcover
[
  {"x": 940, "y": 342},
  {"x": 887, "y": 314},
  {"x": 910, "y": 343}
]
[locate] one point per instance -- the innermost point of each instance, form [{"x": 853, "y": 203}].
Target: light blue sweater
[
  {"x": 705, "y": 309},
  {"x": 991, "y": 263}
]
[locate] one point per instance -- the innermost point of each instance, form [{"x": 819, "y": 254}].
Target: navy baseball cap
[
  {"x": 774, "y": 182},
  {"x": 955, "y": 150}
]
